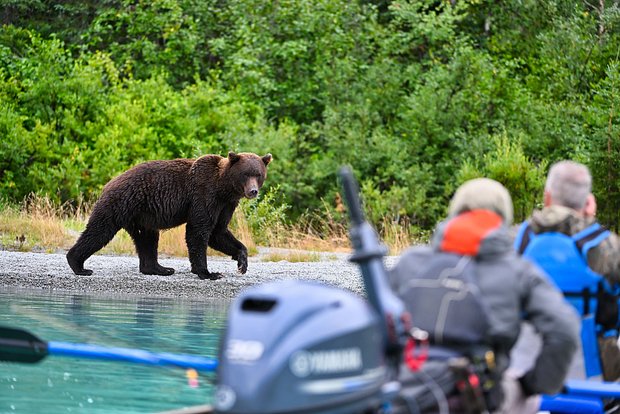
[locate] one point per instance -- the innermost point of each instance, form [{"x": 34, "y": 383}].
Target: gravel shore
[{"x": 120, "y": 275}]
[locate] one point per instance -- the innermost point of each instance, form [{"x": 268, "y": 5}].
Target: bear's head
[{"x": 247, "y": 172}]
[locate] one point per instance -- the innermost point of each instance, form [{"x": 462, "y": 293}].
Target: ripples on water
[{"x": 72, "y": 385}]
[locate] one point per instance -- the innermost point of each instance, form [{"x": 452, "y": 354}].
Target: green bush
[
  {"x": 266, "y": 214},
  {"x": 603, "y": 116},
  {"x": 508, "y": 164}
]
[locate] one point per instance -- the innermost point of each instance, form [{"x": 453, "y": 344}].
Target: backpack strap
[
  {"x": 590, "y": 237},
  {"x": 586, "y": 239},
  {"x": 585, "y": 295},
  {"x": 523, "y": 238}
]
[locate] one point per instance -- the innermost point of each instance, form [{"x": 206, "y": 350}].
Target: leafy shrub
[
  {"x": 508, "y": 164},
  {"x": 605, "y": 131},
  {"x": 266, "y": 215}
]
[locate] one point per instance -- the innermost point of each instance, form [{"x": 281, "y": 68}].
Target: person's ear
[
  {"x": 589, "y": 210},
  {"x": 547, "y": 199}
]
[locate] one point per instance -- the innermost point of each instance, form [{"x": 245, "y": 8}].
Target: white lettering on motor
[
  {"x": 304, "y": 363},
  {"x": 244, "y": 351}
]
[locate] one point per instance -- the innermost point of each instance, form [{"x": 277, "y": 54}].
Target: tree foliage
[{"x": 415, "y": 95}]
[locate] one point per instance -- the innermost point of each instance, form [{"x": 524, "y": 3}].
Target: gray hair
[
  {"x": 482, "y": 193},
  {"x": 569, "y": 183}
]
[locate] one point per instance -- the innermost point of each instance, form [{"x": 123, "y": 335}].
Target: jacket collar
[
  {"x": 558, "y": 218},
  {"x": 473, "y": 233}
]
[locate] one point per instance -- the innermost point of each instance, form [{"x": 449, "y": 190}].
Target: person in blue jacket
[{"x": 590, "y": 262}]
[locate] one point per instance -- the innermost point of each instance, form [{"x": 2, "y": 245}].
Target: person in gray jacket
[{"x": 512, "y": 290}]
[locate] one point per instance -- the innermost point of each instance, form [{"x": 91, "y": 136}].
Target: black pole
[{"x": 368, "y": 254}]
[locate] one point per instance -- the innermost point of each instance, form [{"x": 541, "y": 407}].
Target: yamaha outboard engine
[{"x": 300, "y": 347}]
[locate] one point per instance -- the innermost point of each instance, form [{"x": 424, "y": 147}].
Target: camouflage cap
[{"x": 482, "y": 193}]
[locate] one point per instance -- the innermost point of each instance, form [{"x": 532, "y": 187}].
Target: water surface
[{"x": 72, "y": 385}]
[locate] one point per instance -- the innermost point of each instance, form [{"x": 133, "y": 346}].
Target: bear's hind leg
[
  {"x": 96, "y": 235},
  {"x": 147, "y": 241}
]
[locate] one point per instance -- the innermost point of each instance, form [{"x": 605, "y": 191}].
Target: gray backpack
[{"x": 444, "y": 300}]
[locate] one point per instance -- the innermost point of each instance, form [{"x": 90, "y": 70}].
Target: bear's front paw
[
  {"x": 204, "y": 274},
  {"x": 242, "y": 262},
  {"x": 209, "y": 276},
  {"x": 156, "y": 270}
]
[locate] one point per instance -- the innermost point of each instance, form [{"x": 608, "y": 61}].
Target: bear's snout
[{"x": 250, "y": 189}]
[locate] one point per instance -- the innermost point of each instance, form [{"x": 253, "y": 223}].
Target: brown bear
[{"x": 158, "y": 195}]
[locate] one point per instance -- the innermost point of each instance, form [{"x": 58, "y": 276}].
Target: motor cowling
[{"x": 300, "y": 347}]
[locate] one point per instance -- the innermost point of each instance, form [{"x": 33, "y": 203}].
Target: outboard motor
[{"x": 300, "y": 347}]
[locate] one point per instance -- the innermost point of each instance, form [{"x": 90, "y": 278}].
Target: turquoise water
[{"x": 71, "y": 385}]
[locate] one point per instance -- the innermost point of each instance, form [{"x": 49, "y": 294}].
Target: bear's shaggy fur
[{"x": 158, "y": 195}]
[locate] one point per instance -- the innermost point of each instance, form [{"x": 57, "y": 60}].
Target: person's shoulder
[
  {"x": 610, "y": 244},
  {"x": 422, "y": 250},
  {"x": 408, "y": 264},
  {"x": 591, "y": 221},
  {"x": 413, "y": 258}
]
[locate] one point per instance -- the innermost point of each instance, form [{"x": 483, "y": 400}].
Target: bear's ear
[
  {"x": 267, "y": 159},
  {"x": 233, "y": 157}
]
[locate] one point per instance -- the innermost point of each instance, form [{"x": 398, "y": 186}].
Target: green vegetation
[{"x": 416, "y": 95}]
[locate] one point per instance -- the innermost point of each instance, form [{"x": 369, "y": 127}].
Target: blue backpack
[{"x": 565, "y": 259}]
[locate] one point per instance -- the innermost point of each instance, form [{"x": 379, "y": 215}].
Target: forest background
[{"x": 416, "y": 95}]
